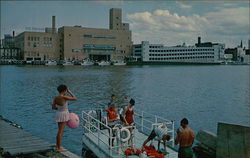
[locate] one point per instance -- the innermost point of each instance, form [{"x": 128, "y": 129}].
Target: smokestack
[
  {"x": 53, "y": 24},
  {"x": 199, "y": 40},
  {"x": 13, "y": 33}
]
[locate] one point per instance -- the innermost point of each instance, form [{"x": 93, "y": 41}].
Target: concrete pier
[{"x": 231, "y": 141}]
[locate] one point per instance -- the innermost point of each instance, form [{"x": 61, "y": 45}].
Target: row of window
[
  {"x": 155, "y": 46},
  {"x": 96, "y": 51},
  {"x": 31, "y": 38},
  {"x": 212, "y": 53},
  {"x": 9, "y": 54},
  {"x": 178, "y": 58},
  {"x": 37, "y": 44},
  {"x": 9, "y": 50},
  {"x": 181, "y": 50},
  {"x": 99, "y": 46},
  {"x": 137, "y": 46},
  {"x": 32, "y": 54},
  {"x": 98, "y": 36}
]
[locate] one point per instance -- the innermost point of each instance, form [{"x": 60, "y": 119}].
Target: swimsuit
[
  {"x": 62, "y": 114},
  {"x": 129, "y": 116}
]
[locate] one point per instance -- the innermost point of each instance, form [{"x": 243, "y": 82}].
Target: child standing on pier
[{"x": 62, "y": 115}]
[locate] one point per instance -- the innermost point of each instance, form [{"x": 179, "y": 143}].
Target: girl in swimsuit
[
  {"x": 62, "y": 115},
  {"x": 129, "y": 112},
  {"x": 129, "y": 116}
]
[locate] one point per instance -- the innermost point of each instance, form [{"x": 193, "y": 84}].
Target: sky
[{"x": 166, "y": 22}]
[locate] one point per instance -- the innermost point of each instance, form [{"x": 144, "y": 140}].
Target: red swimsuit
[{"x": 129, "y": 116}]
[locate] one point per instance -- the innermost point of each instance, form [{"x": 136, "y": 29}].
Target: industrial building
[
  {"x": 203, "y": 53},
  {"x": 77, "y": 42}
]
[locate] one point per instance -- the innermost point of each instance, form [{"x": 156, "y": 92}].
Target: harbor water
[{"x": 203, "y": 94}]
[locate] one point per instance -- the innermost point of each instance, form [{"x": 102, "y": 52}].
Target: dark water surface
[{"x": 203, "y": 94}]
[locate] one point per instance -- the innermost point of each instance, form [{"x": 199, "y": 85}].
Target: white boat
[
  {"x": 52, "y": 62},
  {"x": 67, "y": 63},
  {"x": 29, "y": 61},
  {"x": 120, "y": 63},
  {"x": 87, "y": 62},
  {"x": 103, "y": 63},
  {"x": 97, "y": 134}
]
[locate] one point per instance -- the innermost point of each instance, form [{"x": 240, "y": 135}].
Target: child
[
  {"x": 112, "y": 120},
  {"x": 129, "y": 112},
  {"x": 62, "y": 115},
  {"x": 128, "y": 116}
]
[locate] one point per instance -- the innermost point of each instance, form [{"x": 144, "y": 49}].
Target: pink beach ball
[{"x": 73, "y": 120}]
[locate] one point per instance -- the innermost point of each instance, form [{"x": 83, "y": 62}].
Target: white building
[{"x": 206, "y": 53}]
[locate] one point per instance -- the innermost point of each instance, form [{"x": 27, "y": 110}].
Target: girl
[
  {"x": 129, "y": 116},
  {"x": 62, "y": 115},
  {"x": 129, "y": 112}
]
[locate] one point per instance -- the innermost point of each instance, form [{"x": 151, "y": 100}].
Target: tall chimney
[
  {"x": 199, "y": 40},
  {"x": 53, "y": 24}
]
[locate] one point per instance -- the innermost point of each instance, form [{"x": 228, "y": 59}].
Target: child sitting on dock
[
  {"x": 62, "y": 115},
  {"x": 160, "y": 133}
]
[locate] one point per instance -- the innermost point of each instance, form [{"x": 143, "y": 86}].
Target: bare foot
[{"x": 62, "y": 149}]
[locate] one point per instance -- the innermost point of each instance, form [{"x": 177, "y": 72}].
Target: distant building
[
  {"x": 78, "y": 43},
  {"x": 8, "y": 50},
  {"x": 8, "y": 41},
  {"x": 238, "y": 54},
  {"x": 10, "y": 53},
  {"x": 201, "y": 53},
  {"x": 38, "y": 45},
  {"x": 232, "y": 53},
  {"x": 246, "y": 57},
  {"x": 249, "y": 44}
]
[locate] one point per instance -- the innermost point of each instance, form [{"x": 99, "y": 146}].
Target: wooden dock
[{"x": 16, "y": 141}]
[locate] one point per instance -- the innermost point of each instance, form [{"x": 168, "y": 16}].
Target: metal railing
[
  {"x": 96, "y": 128},
  {"x": 148, "y": 122}
]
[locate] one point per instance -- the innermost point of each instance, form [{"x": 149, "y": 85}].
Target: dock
[
  {"x": 15, "y": 142},
  {"x": 96, "y": 136}
]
